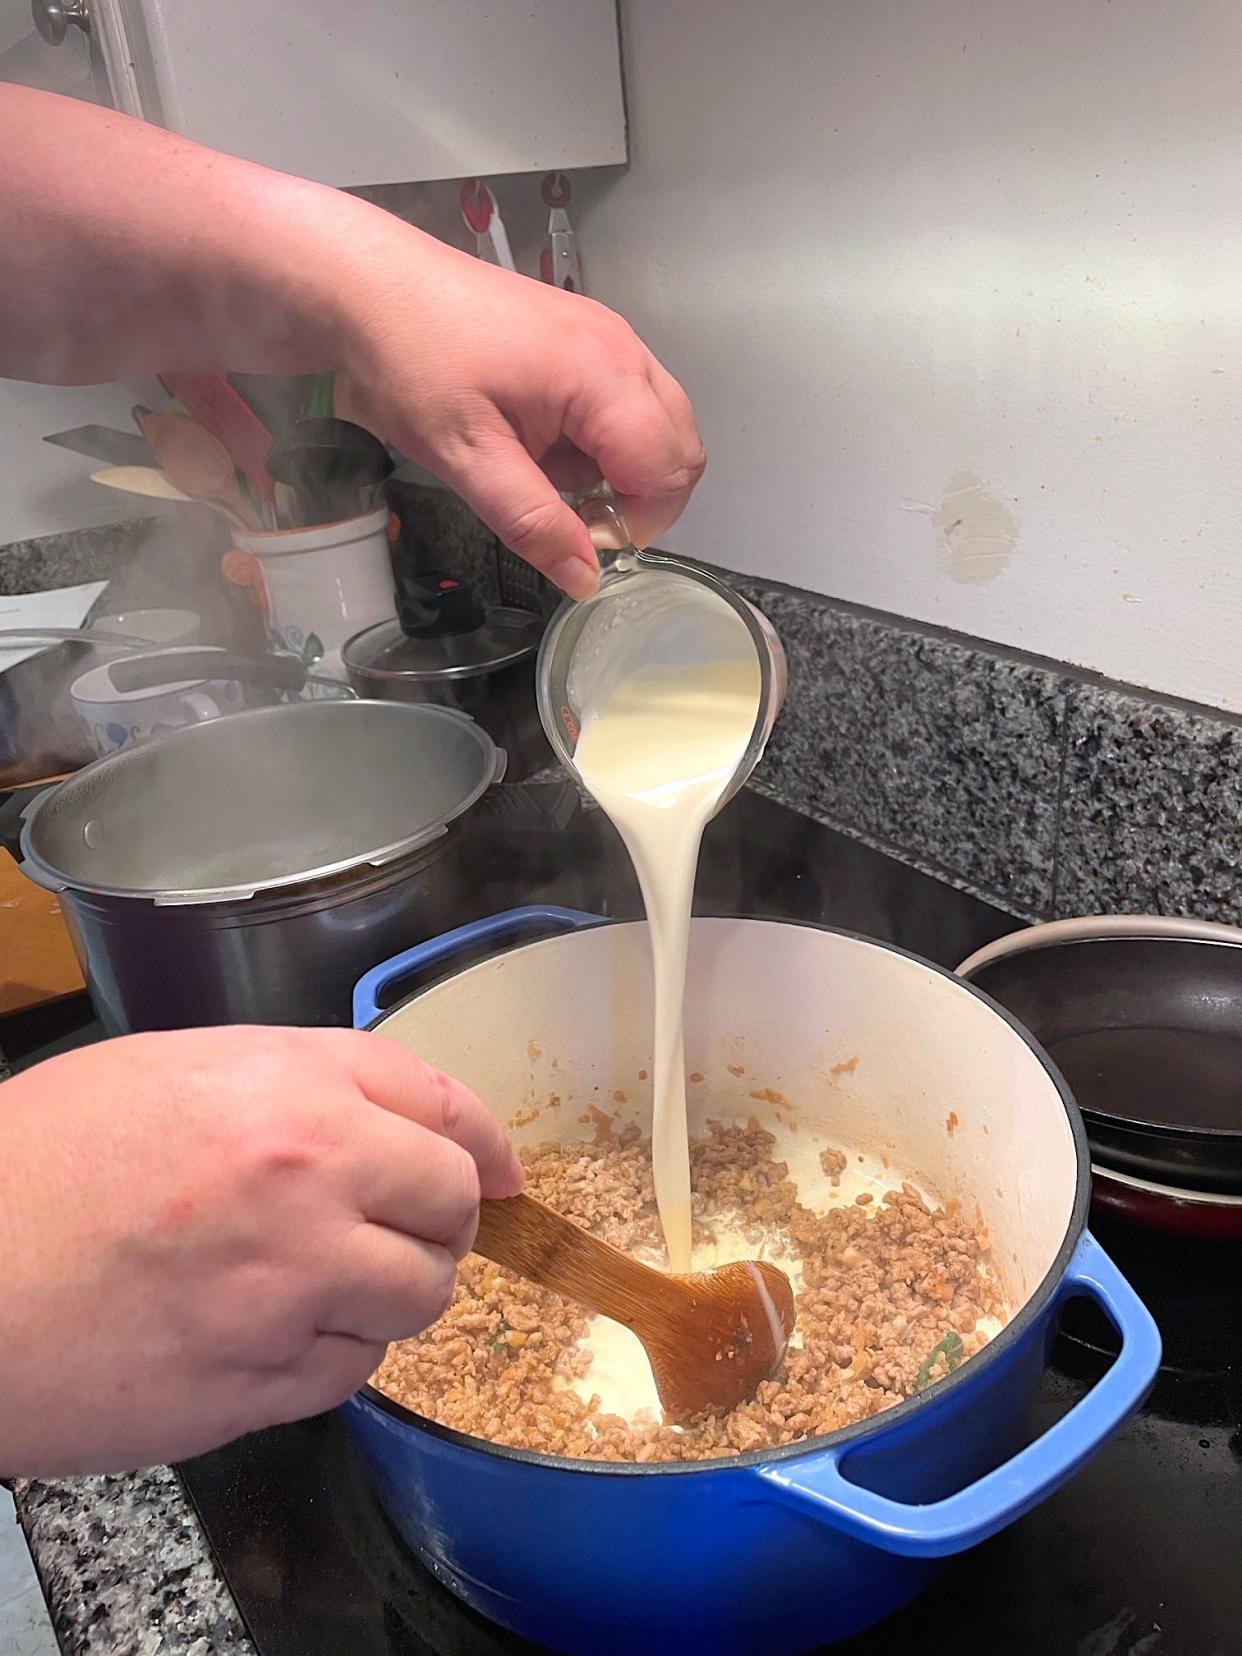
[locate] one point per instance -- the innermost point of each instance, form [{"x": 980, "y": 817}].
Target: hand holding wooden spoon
[{"x": 711, "y": 1336}]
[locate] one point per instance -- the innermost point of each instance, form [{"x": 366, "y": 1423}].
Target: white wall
[
  {"x": 44, "y": 489},
  {"x": 957, "y": 288}
]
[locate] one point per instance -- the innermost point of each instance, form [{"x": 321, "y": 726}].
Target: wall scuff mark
[{"x": 975, "y": 533}]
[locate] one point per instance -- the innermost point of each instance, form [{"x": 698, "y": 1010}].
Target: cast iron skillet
[{"x": 1147, "y": 1031}]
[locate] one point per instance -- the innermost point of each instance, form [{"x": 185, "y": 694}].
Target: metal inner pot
[{"x": 282, "y": 796}]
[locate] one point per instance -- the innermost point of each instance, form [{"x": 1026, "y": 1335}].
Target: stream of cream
[{"x": 658, "y": 751}]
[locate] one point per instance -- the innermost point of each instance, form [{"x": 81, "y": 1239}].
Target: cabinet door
[
  {"x": 62, "y": 63},
  {"x": 80, "y": 48},
  {"x": 386, "y": 91}
]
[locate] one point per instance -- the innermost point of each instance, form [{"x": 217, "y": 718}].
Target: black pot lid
[{"x": 385, "y": 651}]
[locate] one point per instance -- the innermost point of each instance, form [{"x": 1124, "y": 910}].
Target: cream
[{"x": 658, "y": 751}]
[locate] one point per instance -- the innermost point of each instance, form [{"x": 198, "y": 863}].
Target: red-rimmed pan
[
  {"x": 1188, "y": 1213},
  {"x": 1143, "y": 1016}
]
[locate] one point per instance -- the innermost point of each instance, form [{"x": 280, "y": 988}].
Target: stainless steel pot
[
  {"x": 40, "y": 734},
  {"x": 248, "y": 869}
]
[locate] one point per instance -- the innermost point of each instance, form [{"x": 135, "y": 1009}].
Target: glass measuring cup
[{"x": 637, "y": 618}]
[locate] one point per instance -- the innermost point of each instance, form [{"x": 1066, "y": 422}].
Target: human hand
[
  {"x": 508, "y": 389},
  {"x": 511, "y": 390},
  {"x": 212, "y": 1231}
]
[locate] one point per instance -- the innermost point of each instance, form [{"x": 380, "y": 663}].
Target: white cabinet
[
  {"x": 368, "y": 91},
  {"x": 73, "y": 66}
]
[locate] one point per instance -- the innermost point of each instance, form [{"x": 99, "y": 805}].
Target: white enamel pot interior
[{"x": 856, "y": 1045}]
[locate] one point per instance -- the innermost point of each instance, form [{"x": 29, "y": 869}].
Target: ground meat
[
  {"x": 892, "y": 1297},
  {"x": 834, "y": 1163}
]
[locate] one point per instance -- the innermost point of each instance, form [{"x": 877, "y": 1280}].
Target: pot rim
[
  {"x": 1229, "y": 1201},
  {"x": 279, "y": 903},
  {"x": 44, "y": 873},
  {"x": 273, "y": 543},
  {"x": 1087, "y": 928},
  {"x": 1014, "y": 1330},
  {"x": 370, "y": 673}
]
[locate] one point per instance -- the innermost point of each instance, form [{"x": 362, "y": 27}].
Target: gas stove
[{"x": 1137, "y": 1556}]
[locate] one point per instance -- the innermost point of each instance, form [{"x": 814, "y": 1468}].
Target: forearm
[{"x": 127, "y": 250}]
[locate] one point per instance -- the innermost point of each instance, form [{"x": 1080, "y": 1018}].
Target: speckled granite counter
[
  {"x": 125, "y": 1568},
  {"x": 1026, "y": 782}
]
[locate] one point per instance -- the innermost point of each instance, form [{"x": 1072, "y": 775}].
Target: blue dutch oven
[{"x": 785, "y": 1550}]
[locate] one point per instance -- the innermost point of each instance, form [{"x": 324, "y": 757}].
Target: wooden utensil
[
  {"x": 288, "y": 513},
  {"x": 221, "y": 411},
  {"x": 157, "y": 485},
  {"x": 711, "y": 1336},
  {"x": 37, "y": 962},
  {"x": 140, "y": 480},
  {"x": 196, "y": 462}
]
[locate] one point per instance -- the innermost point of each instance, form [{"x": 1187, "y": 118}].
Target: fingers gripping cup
[{"x": 650, "y": 613}]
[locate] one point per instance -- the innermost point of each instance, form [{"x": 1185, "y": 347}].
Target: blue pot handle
[
  {"x": 817, "y": 1487},
  {"x": 437, "y": 951}
]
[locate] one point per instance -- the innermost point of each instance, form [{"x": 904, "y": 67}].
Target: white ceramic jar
[{"x": 317, "y": 587}]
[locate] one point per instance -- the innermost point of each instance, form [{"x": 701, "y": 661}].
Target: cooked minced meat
[{"x": 892, "y": 1297}]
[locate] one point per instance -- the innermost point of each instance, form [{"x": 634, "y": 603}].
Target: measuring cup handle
[{"x": 598, "y": 509}]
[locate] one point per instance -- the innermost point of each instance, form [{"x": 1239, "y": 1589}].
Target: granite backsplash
[
  {"x": 171, "y": 560},
  {"x": 1045, "y": 790},
  {"x": 1042, "y": 789}
]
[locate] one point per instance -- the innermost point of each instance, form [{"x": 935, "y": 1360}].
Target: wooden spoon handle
[{"x": 525, "y": 1236}]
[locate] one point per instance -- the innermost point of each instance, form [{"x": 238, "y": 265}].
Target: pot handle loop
[
  {"x": 370, "y": 992},
  {"x": 817, "y": 1487},
  {"x": 20, "y": 851}
]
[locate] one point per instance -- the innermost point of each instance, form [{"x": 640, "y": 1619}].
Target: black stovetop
[{"x": 1137, "y": 1556}]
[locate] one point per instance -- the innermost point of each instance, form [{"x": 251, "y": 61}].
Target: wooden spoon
[
  {"x": 196, "y": 462},
  {"x": 143, "y": 480},
  {"x": 711, "y": 1336},
  {"x": 218, "y": 408},
  {"x": 157, "y": 485}
]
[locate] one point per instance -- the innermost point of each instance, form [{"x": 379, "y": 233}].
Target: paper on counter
[{"x": 62, "y": 607}]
